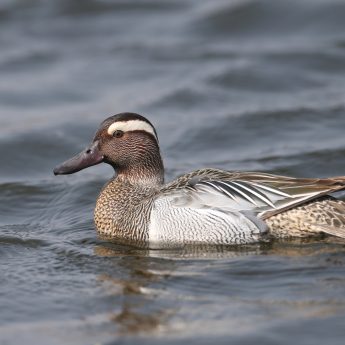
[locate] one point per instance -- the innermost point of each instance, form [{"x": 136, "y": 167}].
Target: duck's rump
[{"x": 323, "y": 215}]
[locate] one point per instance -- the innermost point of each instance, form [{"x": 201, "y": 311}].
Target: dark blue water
[{"x": 248, "y": 85}]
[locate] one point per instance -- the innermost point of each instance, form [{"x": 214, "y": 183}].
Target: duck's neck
[
  {"x": 147, "y": 171},
  {"x": 124, "y": 205}
]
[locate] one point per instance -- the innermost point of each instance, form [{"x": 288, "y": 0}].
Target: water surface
[{"x": 248, "y": 85}]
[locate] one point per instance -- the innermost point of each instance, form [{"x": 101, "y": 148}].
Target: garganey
[{"x": 207, "y": 206}]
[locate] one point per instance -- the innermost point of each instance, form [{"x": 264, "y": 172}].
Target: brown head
[{"x": 126, "y": 141}]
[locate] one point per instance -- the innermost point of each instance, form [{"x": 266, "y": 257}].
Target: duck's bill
[{"x": 87, "y": 158}]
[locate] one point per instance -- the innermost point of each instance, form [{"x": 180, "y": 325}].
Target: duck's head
[{"x": 126, "y": 141}]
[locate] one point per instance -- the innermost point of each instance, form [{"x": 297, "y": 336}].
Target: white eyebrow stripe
[{"x": 131, "y": 125}]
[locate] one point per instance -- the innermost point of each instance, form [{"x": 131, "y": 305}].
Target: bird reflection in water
[
  {"x": 138, "y": 314},
  {"x": 148, "y": 273},
  {"x": 148, "y": 293}
]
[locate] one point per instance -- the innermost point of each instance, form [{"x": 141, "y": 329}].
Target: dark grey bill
[{"x": 87, "y": 158}]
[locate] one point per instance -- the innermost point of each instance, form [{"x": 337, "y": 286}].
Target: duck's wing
[
  {"x": 194, "y": 210},
  {"x": 261, "y": 194}
]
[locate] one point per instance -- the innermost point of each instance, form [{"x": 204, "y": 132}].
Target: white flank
[{"x": 132, "y": 125}]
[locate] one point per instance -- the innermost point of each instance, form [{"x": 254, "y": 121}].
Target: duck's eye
[{"x": 118, "y": 134}]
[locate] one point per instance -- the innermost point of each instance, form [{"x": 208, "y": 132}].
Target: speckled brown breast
[{"x": 123, "y": 221}]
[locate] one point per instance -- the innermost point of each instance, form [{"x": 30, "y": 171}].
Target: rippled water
[{"x": 249, "y": 85}]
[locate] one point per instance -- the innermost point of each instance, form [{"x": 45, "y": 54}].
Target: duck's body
[
  {"x": 162, "y": 215},
  {"x": 205, "y": 206}
]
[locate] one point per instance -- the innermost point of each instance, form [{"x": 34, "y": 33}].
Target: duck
[{"x": 206, "y": 206}]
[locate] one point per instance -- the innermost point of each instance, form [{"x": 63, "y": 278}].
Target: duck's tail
[
  {"x": 329, "y": 217},
  {"x": 322, "y": 215}
]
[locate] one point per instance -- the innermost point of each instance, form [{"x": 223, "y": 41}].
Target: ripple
[
  {"x": 25, "y": 242},
  {"x": 104, "y": 7},
  {"x": 252, "y": 78},
  {"x": 264, "y": 18}
]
